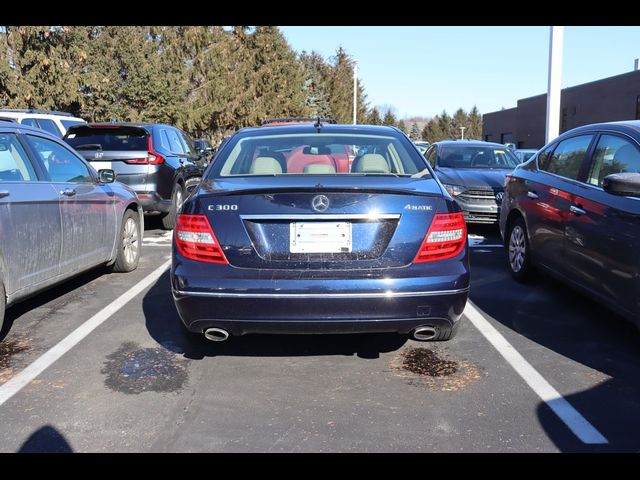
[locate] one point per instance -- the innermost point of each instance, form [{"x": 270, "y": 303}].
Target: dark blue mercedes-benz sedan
[
  {"x": 573, "y": 210},
  {"x": 320, "y": 228}
]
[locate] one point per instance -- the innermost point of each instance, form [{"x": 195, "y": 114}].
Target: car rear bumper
[
  {"x": 283, "y": 312},
  {"x": 152, "y": 202}
]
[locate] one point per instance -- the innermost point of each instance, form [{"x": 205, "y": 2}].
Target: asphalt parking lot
[{"x": 101, "y": 364}]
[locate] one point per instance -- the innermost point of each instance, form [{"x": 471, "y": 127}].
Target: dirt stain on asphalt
[
  {"x": 435, "y": 368},
  {"x": 8, "y": 348},
  {"x": 134, "y": 370}
]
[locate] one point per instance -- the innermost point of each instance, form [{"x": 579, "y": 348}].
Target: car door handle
[
  {"x": 531, "y": 194},
  {"x": 4, "y": 193},
  {"x": 69, "y": 192},
  {"x": 577, "y": 210}
]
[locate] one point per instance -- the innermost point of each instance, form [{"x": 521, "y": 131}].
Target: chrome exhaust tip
[
  {"x": 424, "y": 333},
  {"x": 216, "y": 334}
]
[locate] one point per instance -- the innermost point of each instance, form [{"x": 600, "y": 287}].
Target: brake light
[
  {"x": 196, "y": 241},
  {"x": 446, "y": 238},
  {"x": 153, "y": 158}
]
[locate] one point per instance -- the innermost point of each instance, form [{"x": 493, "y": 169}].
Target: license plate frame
[{"x": 320, "y": 237}]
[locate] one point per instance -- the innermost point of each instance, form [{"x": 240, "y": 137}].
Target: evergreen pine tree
[
  {"x": 475, "y": 124},
  {"x": 390, "y": 119},
  {"x": 374, "y": 117},
  {"x": 415, "y": 133}
]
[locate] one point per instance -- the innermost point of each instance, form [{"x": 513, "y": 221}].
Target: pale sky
[{"x": 423, "y": 70}]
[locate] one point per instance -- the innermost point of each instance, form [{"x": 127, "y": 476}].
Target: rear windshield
[
  {"x": 108, "y": 139},
  {"x": 318, "y": 154},
  {"x": 70, "y": 123},
  {"x": 469, "y": 156}
]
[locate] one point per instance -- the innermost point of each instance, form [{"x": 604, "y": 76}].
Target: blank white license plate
[
  {"x": 320, "y": 237},
  {"x": 101, "y": 165}
]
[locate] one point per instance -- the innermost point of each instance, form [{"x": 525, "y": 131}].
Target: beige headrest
[
  {"x": 319, "y": 168},
  {"x": 265, "y": 166},
  {"x": 372, "y": 163}
]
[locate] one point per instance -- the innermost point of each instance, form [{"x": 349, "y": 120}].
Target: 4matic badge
[{"x": 420, "y": 208}]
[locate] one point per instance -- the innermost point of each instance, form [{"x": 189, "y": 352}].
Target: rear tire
[
  {"x": 519, "y": 252},
  {"x": 177, "y": 197},
  {"x": 129, "y": 244}
]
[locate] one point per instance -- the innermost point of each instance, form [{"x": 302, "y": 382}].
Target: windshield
[
  {"x": 70, "y": 123},
  {"x": 472, "y": 156},
  {"x": 317, "y": 154}
]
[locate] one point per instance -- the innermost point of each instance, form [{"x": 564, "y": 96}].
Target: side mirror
[
  {"x": 106, "y": 176},
  {"x": 625, "y": 184}
]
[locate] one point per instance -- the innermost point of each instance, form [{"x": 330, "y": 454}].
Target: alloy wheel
[{"x": 517, "y": 248}]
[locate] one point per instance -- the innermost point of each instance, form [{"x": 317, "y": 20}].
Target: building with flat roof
[{"x": 606, "y": 100}]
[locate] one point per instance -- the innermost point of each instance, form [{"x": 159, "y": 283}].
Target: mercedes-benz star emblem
[
  {"x": 499, "y": 196},
  {"x": 320, "y": 203}
]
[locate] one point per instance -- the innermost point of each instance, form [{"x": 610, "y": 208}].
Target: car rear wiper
[{"x": 89, "y": 146}]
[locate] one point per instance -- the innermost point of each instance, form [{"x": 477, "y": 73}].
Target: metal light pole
[
  {"x": 556, "y": 35},
  {"x": 355, "y": 90}
]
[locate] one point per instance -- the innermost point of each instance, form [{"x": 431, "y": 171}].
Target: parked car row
[
  {"x": 70, "y": 204},
  {"x": 353, "y": 217}
]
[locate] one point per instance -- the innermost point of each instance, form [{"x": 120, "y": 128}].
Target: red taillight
[
  {"x": 153, "y": 158},
  {"x": 195, "y": 239},
  {"x": 446, "y": 238}
]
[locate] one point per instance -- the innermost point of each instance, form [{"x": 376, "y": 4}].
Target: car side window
[
  {"x": 175, "y": 145},
  {"x": 188, "y": 144},
  {"x": 431, "y": 156},
  {"x": 50, "y": 126},
  {"x": 30, "y": 122},
  {"x": 164, "y": 140},
  {"x": 613, "y": 154},
  {"x": 568, "y": 156},
  {"x": 15, "y": 165},
  {"x": 59, "y": 161},
  {"x": 544, "y": 155}
]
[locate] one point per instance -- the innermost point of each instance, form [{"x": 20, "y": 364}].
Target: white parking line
[
  {"x": 579, "y": 425},
  {"x": 22, "y": 379}
]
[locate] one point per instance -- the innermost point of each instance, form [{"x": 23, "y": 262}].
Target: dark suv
[
  {"x": 573, "y": 210},
  {"x": 158, "y": 161}
]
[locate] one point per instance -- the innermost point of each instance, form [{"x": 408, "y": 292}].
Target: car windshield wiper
[{"x": 89, "y": 146}]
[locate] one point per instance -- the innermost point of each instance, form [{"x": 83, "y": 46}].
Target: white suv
[{"x": 56, "y": 123}]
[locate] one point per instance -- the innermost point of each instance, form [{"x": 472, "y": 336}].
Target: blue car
[
  {"x": 573, "y": 211},
  {"x": 284, "y": 235}
]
